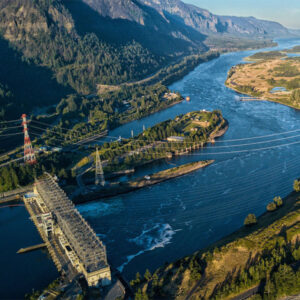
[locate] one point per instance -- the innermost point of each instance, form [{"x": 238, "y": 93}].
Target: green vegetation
[
  {"x": 295, "y": 49},
  {"x": 54, "y": 286},
  {"x": 271, "y": 206},
  {"x": 295, "y": 97},
  {"x": 260, "y": 78},
  {"x": 248, "y": 89},
  {"x": 16, "y": 175},
  {"x": 81, "y": 61},
  {"x": 250, "y": 220},
  {"x": 278, "y": 201},
  {"x": 286, "y": 70},
  {"x": 25, "y": 86},
  {"x": 87, "y": 117},
  {"x": 6, "y": 99},
  {"x": 296, "y": 186},
  {"x": 266, "y": 254},
  {"x": 230, "y": 43},
  {"x": 195, "y": 129},
  {"x": 266, "y": 55},
  {"x": 176, "y": 71}
]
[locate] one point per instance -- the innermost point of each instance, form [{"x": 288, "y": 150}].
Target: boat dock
[{"x": 31, "y": 248}]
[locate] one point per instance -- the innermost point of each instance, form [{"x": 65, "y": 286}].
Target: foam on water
[
  {"x": 227, "y": 191},
  {"x": 100, "y": 209},
  {"x": 155, "y": 237}
]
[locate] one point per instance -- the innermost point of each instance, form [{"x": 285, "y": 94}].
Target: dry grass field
[{"x": 258, "y": 79}]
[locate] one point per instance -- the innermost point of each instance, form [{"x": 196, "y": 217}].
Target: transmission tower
[
  {"x": 99, "y": 175},
  {"x": 29, "y": 156}
]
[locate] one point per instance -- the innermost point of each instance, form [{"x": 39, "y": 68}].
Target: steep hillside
[
  {"x": 66, "y": 46},
  {"x": 24, "y": 86},
  {"x": 120, "y": 21},
  {"x": 44, "y": 32},
  {"x": 208, "y": 23},
  {"x": 87, "y": 42}
]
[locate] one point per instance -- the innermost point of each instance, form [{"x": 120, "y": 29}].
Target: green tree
[
  {"x": 278, "y": 201},
  {"x": 271, "y": 206},
  {"x": 139, "y": 295},
  {"x": 147, "y": 275},
  {"x": 250, "y": 220},
  {"x": 297, "y": 186}
]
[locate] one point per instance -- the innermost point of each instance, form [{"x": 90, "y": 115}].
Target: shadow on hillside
[
  {"x": 120, "y": 31},
  {"x": 30, "y": 84}
]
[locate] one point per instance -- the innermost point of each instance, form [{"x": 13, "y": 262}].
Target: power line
[
  {"x": 225, "y": 141},
  {"x": 249, "y": 150},
  {"x": 54, "y": 126},
  {"x": 227, "y": 146},
  {"x": 12, "y": 121},
  {"x": 9, "y": 134},
  {"x": 80, "y": 139},
  {"x": 198, "y": 193},
  {"x": 7, "y": 128}
]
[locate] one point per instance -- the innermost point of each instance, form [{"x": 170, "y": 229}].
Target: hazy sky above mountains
[{"x": 287, "y": 12}]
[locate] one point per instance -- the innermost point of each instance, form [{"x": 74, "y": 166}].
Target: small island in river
[
  {"x": 118, "y": 188},
  {"x": 272, "y": 76}
]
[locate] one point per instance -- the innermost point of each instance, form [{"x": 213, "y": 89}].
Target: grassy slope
[{"x": 230, "y": 254}]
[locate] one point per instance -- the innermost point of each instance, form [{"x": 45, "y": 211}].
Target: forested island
[
  {"x": 174, "y": 137},
  {"x": 273, "y": 76}
]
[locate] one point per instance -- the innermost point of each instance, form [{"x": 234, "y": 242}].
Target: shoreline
[
  {"x": 259, "y": 98},
  {"x": 126, "y": 187},
  {"x": 142, "y": 182},
  {"x": 231, "y": 252}
]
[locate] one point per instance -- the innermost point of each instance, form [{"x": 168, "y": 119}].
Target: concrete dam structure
[{"x": 73, "y": 245}]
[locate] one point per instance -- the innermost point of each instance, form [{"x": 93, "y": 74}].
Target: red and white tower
[{"x": 29, "y": 156}]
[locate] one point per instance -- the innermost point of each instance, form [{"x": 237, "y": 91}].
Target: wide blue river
[{"x": 257, "y": 159}]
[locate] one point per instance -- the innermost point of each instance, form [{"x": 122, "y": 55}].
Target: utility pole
[
  {"x": 99, "y": 174},
  {"x": 29, "y": 156}
]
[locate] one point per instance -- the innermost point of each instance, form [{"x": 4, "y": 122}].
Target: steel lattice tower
[
  {"x": 99, "y": 174},
  {"x": 29, "y": 156}
]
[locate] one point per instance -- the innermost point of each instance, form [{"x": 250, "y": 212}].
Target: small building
[
  {"x": 43, "y": 149},
  {"x": 56, "y": 149},
  {"x": 175, "y": 139}
]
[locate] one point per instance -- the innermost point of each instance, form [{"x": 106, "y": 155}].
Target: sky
[{"x": 287, "y": 12}]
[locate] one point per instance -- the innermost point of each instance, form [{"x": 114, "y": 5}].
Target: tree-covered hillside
[{"x": 44, "y": 32}]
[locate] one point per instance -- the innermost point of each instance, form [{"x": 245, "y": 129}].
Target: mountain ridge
[
  {"x": 206, "y": 22},
  {"x": 83, "y": 43}
]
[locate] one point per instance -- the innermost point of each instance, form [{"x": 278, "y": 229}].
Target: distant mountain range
[
  {"x": 175, "y": 26},
  {"x": 207, "y": 23}
]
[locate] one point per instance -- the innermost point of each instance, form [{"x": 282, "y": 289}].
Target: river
[{"x": 146, "y": 228}]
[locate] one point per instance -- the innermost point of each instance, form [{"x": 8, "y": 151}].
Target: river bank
[
  {"x": 146, "y": 181},
  {"x": 166, "y": 140},
  {"x": 272, "y": 76},
  {"x": 241, "y": 254}
]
